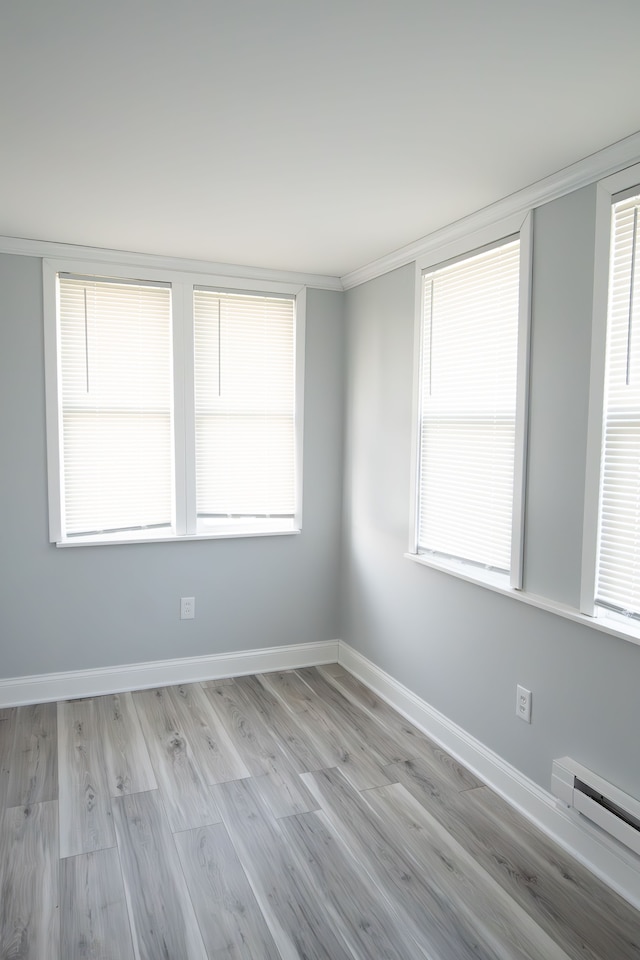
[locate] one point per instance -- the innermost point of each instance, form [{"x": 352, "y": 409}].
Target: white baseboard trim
[
  {"x": 605, "y": 857},
  {"x": 16, "y": 691}
]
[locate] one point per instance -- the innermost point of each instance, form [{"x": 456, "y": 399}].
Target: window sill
[
  {"x": 220, "y": 532},
  {"x": 465, "y": 571},
  {"x": 605, "y": 622}
]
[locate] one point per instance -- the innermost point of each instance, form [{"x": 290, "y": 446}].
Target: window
[
  {"x": 244, "y": 404},
  {"x": 470, "y": 435},
  {"x": 173, "y": 407},
  {"x": 618, "y": 553}
]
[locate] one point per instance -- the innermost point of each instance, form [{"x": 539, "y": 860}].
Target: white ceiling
[{"x": 302, "y": 136}]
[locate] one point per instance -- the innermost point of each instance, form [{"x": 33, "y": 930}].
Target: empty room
[{"x": 320, "y": 480}]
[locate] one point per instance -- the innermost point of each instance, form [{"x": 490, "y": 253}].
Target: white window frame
[
  {"x": 511, "y": 228},
  {"x": 609, "y": 191},
  {"x": 182, "y": 285}
]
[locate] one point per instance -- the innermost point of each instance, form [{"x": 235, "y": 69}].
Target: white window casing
[
  {"x": 244, "y": 349},
  {"x": 116, "y": 407},
  {"x": 611, "y": 403},
  {"x": 174, "y": 405},
  {"x": 469, "y": 453},
  {"x": 616, "y": 585}
]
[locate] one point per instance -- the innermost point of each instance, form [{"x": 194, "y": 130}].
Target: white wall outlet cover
[
  {"x": 523, "y": 703},
  {"x": 187, "y": 608}
]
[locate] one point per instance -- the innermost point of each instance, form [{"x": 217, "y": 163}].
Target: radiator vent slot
[{"x": 600, "y": 801}]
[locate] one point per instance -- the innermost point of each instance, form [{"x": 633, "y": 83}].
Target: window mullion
[
  {"x": 522, "y": 403},
  {"x": 186, "y": 522}
]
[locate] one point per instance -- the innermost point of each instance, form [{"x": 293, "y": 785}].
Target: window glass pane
[
  {"x": 468, "y": 407},
  {"x": 618, "y": 580},
  {"x": 245, "y": 405},
  {"x": 116, "y": 386}
]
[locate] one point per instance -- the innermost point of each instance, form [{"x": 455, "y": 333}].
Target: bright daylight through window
[
  {"x": 173, "y": 409},
  {"x": 468, "y": 401},
  {"x": 618, "y": 566}
]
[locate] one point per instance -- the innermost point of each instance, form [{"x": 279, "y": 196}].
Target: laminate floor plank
[
  {"x": 93, "y": 912},
  {"x": 127, "y": 762},
  {"x": 366, "y": 921},
  {"x": 334, "y": 669},
  {"x": 415, "y": 742},
  {"x": 231, "y": 922},
  {"x": 335, "y": 744},
  {"x": 163, "y": 921},
  {"x": 487, "y": 907},
  {"x": 291, "y": 906},
  {"x": 184, "y": 790},
  {"x": 380, "y": 745},
  {"x": 212, "y": 746},
  {"x": 299, "y": 751},
  {"x": 259, "y": 749},
  {"x": 562, "y": 900},
  {"x": 86, "y": 823},
  {"x": 440, "y": 774},
  {"x": 430, "y": 917},
  {"x": 601, "y": 922},
  {"x": 29, "y": 921},
  {"x": 7, "y": 736},
  {"x": 33, "y": 775}
]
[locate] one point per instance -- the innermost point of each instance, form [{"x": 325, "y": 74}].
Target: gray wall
[
  {"x": 460, "y": 646},
  {"x": 68, "y": 609}
]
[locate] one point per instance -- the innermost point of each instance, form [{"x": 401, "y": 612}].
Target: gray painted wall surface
[
  {"x": 563, "y": 258},
  {"x": 461, "y": 647},
  {"x": 88, "y": 607}
]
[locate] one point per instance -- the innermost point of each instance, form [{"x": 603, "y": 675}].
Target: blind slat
[
  {"x": 467, "y": 433},
  {"x": 618, "y": 567},
  {"x": 245, "y": 404},
  {"x": 117, "y": 429}
]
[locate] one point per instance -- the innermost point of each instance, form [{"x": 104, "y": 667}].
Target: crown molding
[
  {"x": 602, "y": 164},
  {"x": 61, "y": 251}
]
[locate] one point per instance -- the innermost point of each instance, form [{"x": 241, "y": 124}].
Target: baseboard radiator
[{"x": 600, "y": 801}]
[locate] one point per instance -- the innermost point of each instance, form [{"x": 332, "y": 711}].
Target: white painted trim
[
  {"x": 522, "y": 403},
  {"x": 520, "y": 227},
  {"x": 150, "y": 261},
  {"x": 606, "y": 858},
  {"x": 416, "y": 411},
  {"x": 593, "y": 463},
  {"x": 141, "y": 270},
  {"x": 602, "y": 164},
  {"x": 484, "y": 235},
  {"x": 160, "y": 535},
  {"x": 183, "y": 410},
  {"x": 139, "y": 676},
  {"x": 300, "y": 359},
  {"x": 623, "y": 181},
  {"x": 185, "y": 523},
  {"x": 52, "y": 400}
]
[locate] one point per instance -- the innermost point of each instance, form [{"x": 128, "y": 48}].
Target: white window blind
[
  {"x": 468, "y": 407},
  {"x": 244, "y": 349},
  {"x": 618, "y": 570},
  {"x": 115, "y": 361}
]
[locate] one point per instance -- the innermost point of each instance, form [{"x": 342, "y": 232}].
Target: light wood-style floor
[{"x": 274, "y": 817}]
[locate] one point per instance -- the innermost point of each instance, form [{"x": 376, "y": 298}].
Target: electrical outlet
[
  {"x": 187, "y": 608},
  {"x": 523, "y": 703}
]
